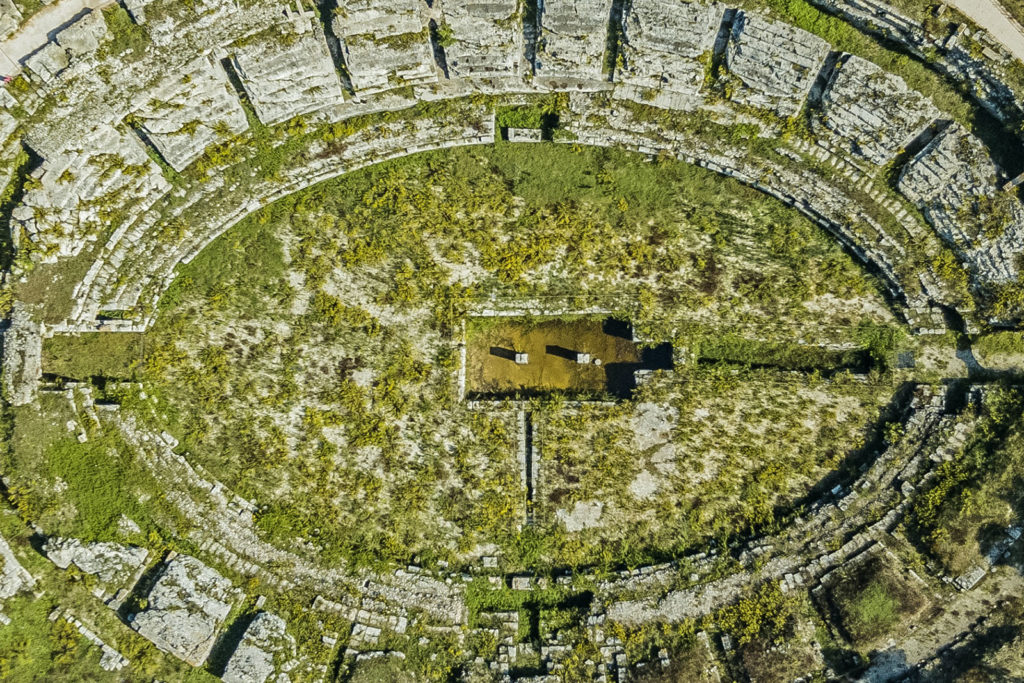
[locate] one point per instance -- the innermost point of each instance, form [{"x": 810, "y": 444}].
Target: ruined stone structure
[{"x": 129, "y": 177}]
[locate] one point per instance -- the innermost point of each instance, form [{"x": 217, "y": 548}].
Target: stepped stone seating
[
  {"x": 165, "y": 20},
  {"x": 488, "y": 39},
  {"x": 953, "y": 181},
  {"x": 662, "y": 43},
  {"x": 81, "y": 186},
  {"x": 874, "y": 114},
  {"x": 573, "y": 35},
  {"x": 385, "y": 44},
  {"x": 776, "y": 62},
  {"x": 189, "y": 112},
  {"x": 287, "y": 69}
]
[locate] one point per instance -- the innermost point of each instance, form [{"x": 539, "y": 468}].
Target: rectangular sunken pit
[{"x": 586, "y": 357}]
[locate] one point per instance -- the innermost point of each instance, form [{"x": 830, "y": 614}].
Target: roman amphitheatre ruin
[{"x": 512, "y": 340}]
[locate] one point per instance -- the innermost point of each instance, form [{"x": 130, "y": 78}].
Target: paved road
[
  {"x": 991, "y": 16},
  {"x": 36, "y": 31}
]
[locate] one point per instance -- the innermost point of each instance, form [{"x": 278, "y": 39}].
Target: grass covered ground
[{"x": 308, "y": 358}]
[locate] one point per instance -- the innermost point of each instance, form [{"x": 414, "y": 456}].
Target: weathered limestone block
[
  {"x": 777, "y": 63},
  {"x": 385, "y": 44},
  {"x": 83, "y": 36},
  {"x": 82, "y": 187},
  {"x": 187, "y": 605},
  {"x": 79, "y": 39},
  {"x": 573, "y": 34},
  {"x": 10, "y": 18},
  {"x": 488, "y": 39},
  {"x": 48, "y": 61},
  {"x": 872, "y": 112},
  {"x": 112, "y": 563},
  {"x": 287, "y": 70},
  {"x": 22, "y": 358},
  {"x": 665, "y": 46},
  {"x": 953, "y": 181},
  {"x": 8, "y": 124},
  {"x": 253, "y": 660},
  {"x": 190, "y": 111},
  {"x": 13, "y": 577}
]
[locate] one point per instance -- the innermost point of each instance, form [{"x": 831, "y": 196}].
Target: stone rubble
[
  {"x": 973, "y": 577},
  {"x": 572, "y": 40},
  {"x": 385, "y": 44},
  {"x": 874, "y": 114},
  {"x": 876, "y": 489},
  {"x": 185, "y": 609},
  {"x": 287, "y": 69},
  {"x": 110, "y": 659},
  {"x": 666, "y": 49},
  {"x": 950, "y": 180},
  {"x": 229, "y": 533},
  {"x": 777, "y": 63},
  {"x": 189, "y": 112}
]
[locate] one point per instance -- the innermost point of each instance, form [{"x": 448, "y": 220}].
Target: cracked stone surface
[
  {"x": 573, "y": 34},
  {"x": 22, "y": 356},
  {"x": 663, "y": 44},
  {"x": 80, "y": 185},
  {"x": 253, "y": 660},
  {"x": 287, "y": 70},
  {"x": 873, "y": 114},
  {"x": 385, "y": 44},
  {"x": 189, "y": 112},
  {"x": 955, "y": 184},
  {"x": 488, "y": 39},
  {"x": 777, "y": 63},
  {"x": 13, "y": 577},
  {"x": 166, "y": 20},
  {"x": 112, "y": 563},
  {"x": 185, "y": 608}
]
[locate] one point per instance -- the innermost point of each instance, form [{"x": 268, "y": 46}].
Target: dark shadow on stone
[
  {"x": 440, "y": 56},
  {"x": 141, "y": 589},
  {"x": 972, "y": 656},
  {"x": 507, "y": 354},
  {"x": 614, "y": 327},
  {"x": 657, "y": 357},
  {"x": 227, "y": 643},
  {"x": 561, "y": 352},
  {"x": 898, "y": 409},
  {"x": 621, "y": 378},
  {"x": 325, "y": 12}
]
